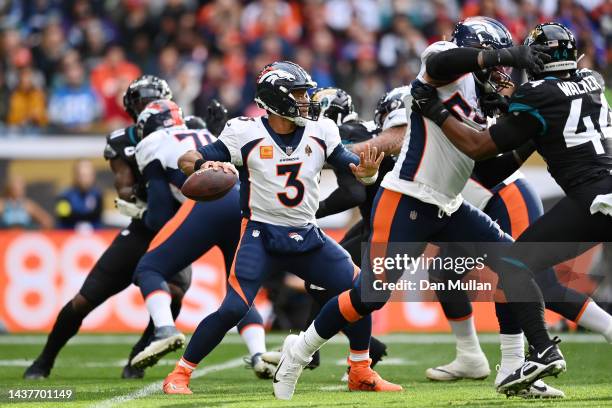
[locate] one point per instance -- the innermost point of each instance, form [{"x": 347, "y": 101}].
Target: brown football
[{"x": 208, "y": 184}]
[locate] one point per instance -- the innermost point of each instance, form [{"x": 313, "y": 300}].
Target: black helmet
[
  {"x": 216, "y": 116},
  {"x": 195, "y": 122},
  {"x": 145, "y": 89},
  {"x": 158, "y": 115},
  {"x": 335, "y": 104},
  {"x": 561, "y": 47},
  {"x": 392, "y": 100},
  {"x": 273, "y": 92},
  {"x": 485, "y": 32}
]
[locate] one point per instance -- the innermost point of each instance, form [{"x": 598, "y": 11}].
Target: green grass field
[{"x": 91, "y": 366}]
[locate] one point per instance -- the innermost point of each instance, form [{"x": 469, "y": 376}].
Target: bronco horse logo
[{"x": 295, "y": 236}]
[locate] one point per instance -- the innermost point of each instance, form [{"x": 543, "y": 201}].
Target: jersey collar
[{"x": 286, "y": 144}]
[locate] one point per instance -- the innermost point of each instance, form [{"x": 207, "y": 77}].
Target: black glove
[
  {"x": 493, "y": 104},
  {"x": 532, "y": 57},
  {"x": 216, "y": 116},
  {"x": 426, "y": 102}
]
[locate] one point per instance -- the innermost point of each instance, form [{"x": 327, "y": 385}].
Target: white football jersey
[
  {"x": 279, "y": 185},
  {"x": 479, "y": 196},
  {"x": 429, "y": 167},
  {"x": 167, "y": 145}
]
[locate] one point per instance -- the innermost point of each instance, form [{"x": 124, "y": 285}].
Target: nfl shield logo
[
  {"x": 413, "y": 215},
  {"x": 289, "y": 150}
]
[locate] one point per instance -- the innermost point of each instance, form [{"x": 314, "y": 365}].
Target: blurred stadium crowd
[{"x": 65, "y": 64}]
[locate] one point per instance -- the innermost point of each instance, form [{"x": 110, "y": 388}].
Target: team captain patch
[{"x": 266, "y": 152}]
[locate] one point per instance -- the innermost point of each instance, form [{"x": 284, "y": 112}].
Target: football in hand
[{"x": 208, "y": 184}]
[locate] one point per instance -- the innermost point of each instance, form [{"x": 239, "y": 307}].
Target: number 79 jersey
[
  {"x": 279, "y": 178},
  {"x": 166, "y": 146}
]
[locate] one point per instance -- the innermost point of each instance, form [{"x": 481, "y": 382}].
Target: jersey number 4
[
  {"x": 292, "y": 170},
  {"x": 588, "y": 124}
]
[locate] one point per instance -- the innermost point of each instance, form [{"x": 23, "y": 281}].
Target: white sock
[
  {"x": 465, "y": 333},
  {"x": 307, "y": 343},
  {"x": 512, "y": 352},
  {"x": 254, "y": 337},
  {"x": 158, "y": 305},
  {"x": 597, "y": 320},
  {"x": 359, "y": 356}
]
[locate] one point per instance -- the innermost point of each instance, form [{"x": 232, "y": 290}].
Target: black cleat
[
  {"x": 130, "y": 372},
  {"x": 378, "y": 350},
  {"x": 315, "y": 362},
  {"x": 547, "y": 361},
  {"x": 165, "y": 339},
  {"x": 37, "y": 371}
]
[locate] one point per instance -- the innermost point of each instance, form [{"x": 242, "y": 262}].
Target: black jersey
[
  {"x": 359, "y": 131},
  {"x": 121, "y": 144},
  {"x": 575, "y": 137}
]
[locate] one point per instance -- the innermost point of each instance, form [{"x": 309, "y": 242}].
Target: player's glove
[
  {"x": 129, "y": 209},
  {"x": 216, "y": 116},
  {"x": 493, "y": 104},
  {"x": 426, "y": 102},
  {"x": 520, "y": 56}
]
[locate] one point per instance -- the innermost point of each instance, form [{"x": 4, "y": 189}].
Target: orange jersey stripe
[
  {"x": 383, "y": 220},
  {"x": 233, "y": 280},
  {"x": 346, "y": 307},
  {"x": 172, "y": 225},
  {"x": 517, "y": 209}
]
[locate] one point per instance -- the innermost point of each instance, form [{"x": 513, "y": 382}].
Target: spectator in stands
[
  {"x": 80, "y": 206},
  {"x": 73, "y": 106},
  {"x": 110, "y": 79},
  {"x": 18, "y": 211},
  {"x": 27, "y": 105}
]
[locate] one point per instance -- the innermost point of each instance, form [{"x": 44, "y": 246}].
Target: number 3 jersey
[
  {"x": 429, "y": 167},
  {"x": 279, "y": 175}
]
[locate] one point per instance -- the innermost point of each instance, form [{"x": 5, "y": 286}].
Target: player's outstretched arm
[
  {"x": 389, "y": 141},
  {"x": 507, "y": 134},
  {"x": 447, "y": 65}
]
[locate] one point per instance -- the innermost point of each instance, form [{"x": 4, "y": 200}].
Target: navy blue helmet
[
  {"x": 487, "y": 33},
  {"x": 273, "y": 92},
  {"x": 158, "y": 115}
]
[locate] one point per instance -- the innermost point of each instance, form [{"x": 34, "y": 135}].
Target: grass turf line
[{"x": 587, "y": 383}]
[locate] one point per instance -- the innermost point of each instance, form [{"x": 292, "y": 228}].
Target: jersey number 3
[{"x": 292, "y": 170}]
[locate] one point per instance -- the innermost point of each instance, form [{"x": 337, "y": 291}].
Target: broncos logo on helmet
[
  {"x": 274, "y": 86},
  {"x": 485, "y": 32}
]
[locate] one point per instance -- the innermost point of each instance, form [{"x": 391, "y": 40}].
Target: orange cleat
[
  {"x": 362, "y": 378},
  {"x": 177, "y": 382}
]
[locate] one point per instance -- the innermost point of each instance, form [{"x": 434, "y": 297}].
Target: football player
[
  {"x": 183, "y": 238},
  {"x": 568, "y": 118},
  {"x": 337, "y": 105},
  {"x": 113, "y": 272},
  {"x": 420, "y": 199},
  {"x": 280, "y": 157}
]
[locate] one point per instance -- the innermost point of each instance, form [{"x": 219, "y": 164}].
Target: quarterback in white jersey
[{"x": 279, "y": 158}]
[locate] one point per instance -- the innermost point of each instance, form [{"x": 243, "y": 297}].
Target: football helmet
[
  {"x": 392, "y": 100},
  {"x": 488, "y": 33},
  {"x": 145, "y": 89},
  {"x": 561, "y": 47},
  {"x": 274, "y": 85},
  {"x": 195, "y": 122},
  {"x": 336, "y": 104},
  {"x": 158, "y": 115}
]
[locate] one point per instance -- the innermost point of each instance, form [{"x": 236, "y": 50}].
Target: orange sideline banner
[{"x": 41, "y": 271}]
